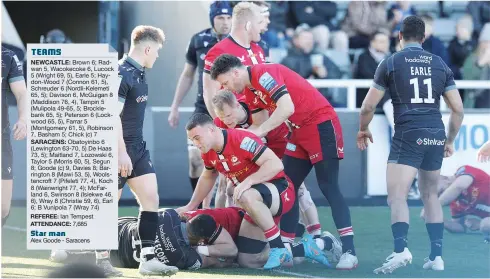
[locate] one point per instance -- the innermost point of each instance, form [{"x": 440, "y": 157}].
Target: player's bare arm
[
  {"x": 210, "y": 87},
  {"x": 203, "y": 187},
  {"x": 258, "y": 118},
  {"x": 183, "y": 86},
  {"x": 285, "y": 108},
  {"x": 125, "y": 167},
  {"x": 455, "y": 104},
  {"x": 222, "y": 247},
  {"x": 20, "y": 91},
  {"x": 455, "y": 189},
  {"x": 270, "y": 165},
  {"x": 368, "y": 108}
]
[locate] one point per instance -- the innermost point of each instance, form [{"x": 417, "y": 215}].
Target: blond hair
[
  {"x": 145, "y": 33},
  {"x": 244, "y": 11},
  {"x": 223, "y": 97}
]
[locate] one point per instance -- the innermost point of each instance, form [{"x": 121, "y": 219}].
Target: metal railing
[{"x": 353, "y": 84}]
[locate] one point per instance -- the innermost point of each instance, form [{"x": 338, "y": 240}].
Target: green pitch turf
[{"x": 465, "y": 256}]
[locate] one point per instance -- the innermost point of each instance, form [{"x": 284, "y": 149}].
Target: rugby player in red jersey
[
  {"x": 316, "y": 138},
  {"x": 261, "y": 187},
  {"x": 467, "y": 192},
  {"x": 247, "y": 24},
  {"x": 235, "y": 113}
]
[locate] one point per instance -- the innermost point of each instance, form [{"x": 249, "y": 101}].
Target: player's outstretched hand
[
  {"x": 484, "y": 153},
  {"x": 125, "y": 167},
  {"x": 362, "y": 139},
  {"x": 448, "y": 150},
  {"x": 173, "y": 118},
  {"x": 20, "y": 130}
]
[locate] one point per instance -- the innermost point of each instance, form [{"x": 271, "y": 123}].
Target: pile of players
[{"x": 262, "y": 128}]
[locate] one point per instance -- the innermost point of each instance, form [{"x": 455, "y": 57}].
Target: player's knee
[
  {"x": 395, "y": 200},
  {"x": 248, "y": 198},
  {"x": 485, "y": 225}
]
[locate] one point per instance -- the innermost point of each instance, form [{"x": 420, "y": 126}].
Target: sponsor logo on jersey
[
  {"x": 248, "y": 144},
  {"x": 427, "y": 141},
  {"x": 267, "y": 81},
  {"x": 291, "y": 147},
  {"x": 142, "y": 98},
  {"x": 421, "y": 59}
]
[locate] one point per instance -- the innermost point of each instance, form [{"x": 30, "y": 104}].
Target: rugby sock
[
  {"x": 300, "y": 230},
  {"x": 400, "y": 232},
  {"x": 274, "y": 237},
  {"x": 436, "y": 231},
  {"x": 298, "y": 250},
  {"x": 194, "y": 182},
  {"x": 147, "y": 227},
  {"x": 324, "y": 243},
  {"x": 347, "y": 238},
  {"x": 315, "y": 230},
  {"x": 327, "y": 174}
]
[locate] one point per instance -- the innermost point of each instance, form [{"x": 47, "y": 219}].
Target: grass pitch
[{"x": 465, "y": 256}]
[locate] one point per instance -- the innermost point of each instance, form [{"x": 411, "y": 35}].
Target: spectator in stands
[
  {"x": 320, "y": 16},
  {"x": 480, "y": 12},
  {"x": 477, "y": 67},
  {"x": 275, "y": 36},
  {"x": 397, "y": 13},
  {"x": 433, "y": 44},
  {"x": 461, "y": 46},
  {"x": 308, "y": 63},
  {"x": 363, "y": 19},
  {"x": 378, "y": 50}
]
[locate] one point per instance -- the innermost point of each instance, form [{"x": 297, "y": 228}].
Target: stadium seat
[{"x": 277, "y": 54}]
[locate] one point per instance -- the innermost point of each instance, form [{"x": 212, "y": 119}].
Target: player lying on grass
[
  {"x": 468, "y": 194},
  {"x": 262, "y": 188},
  {"x": 232, "y": 113},
  {"x": 204, "y": 238},
  {"x": 172, "y": 245}
]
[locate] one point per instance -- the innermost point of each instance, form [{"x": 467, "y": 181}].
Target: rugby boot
[
  {"x": 436, "y": 264},
  {"x": 312, "y": 251},
  {"x": 156, "y": 267},
  {"x": 394, "y": 261},
  {"x": 277, "y": 256},
  {"x": 336, "y": 245}
]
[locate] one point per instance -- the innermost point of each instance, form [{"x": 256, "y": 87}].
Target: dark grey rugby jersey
[{"x": 416, "y": 80}]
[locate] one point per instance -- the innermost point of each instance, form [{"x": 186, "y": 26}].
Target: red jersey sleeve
[
  {"x": 251, "y": 147},
  {"x": 465, "y": 170},
  {"x": 219, "y": 123},
  {"x": 212, "y": 54},
  {"x": 271, "y": 82},
  {"x": 207, "y": 162}
]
